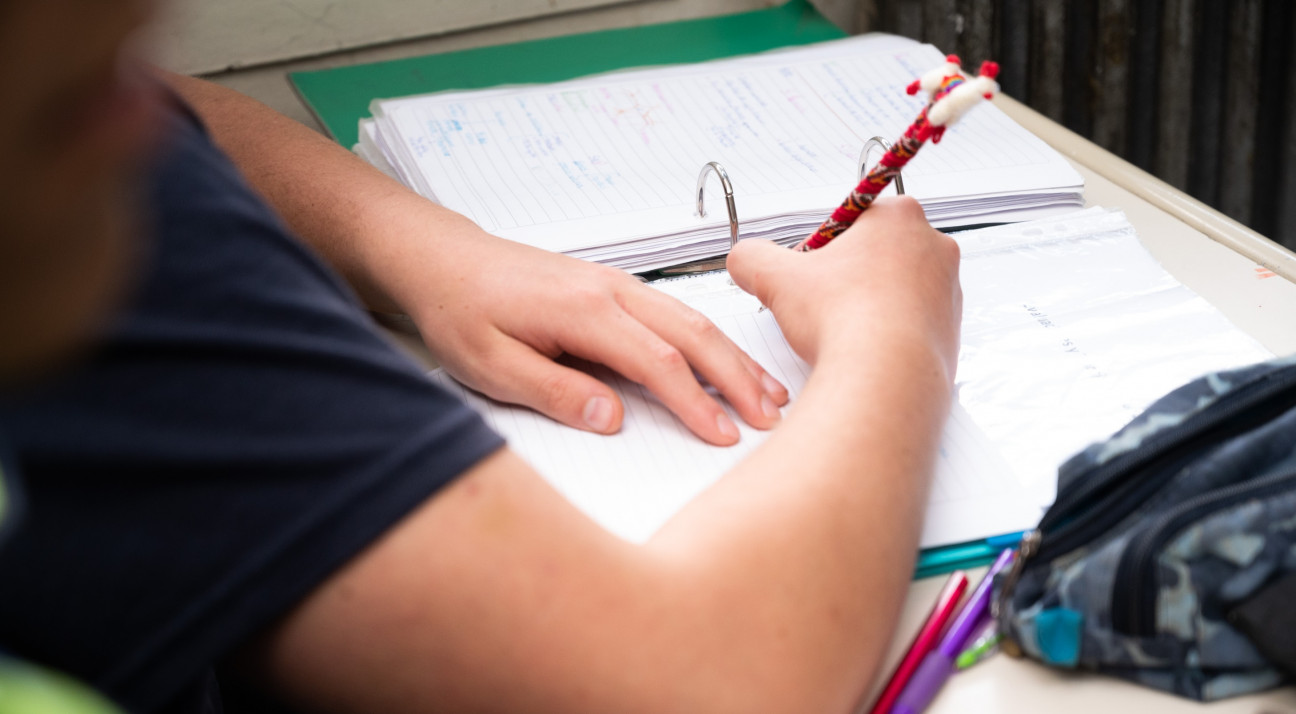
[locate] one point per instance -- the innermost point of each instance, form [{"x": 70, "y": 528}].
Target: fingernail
[
  {"x": 598, "y": 414},
  {"x": 769, "y": 407},
  {"x": 727, "y": 427},
  {"x": 771, "y": 385}
]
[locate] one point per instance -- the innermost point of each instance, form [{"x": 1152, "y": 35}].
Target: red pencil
[
  {"x": 945, "y": 607},
  {"x": 951, "y": 95}
]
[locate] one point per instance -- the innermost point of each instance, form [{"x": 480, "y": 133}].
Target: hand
[
  {"x": 499, "y": 329},
  {"x": 890, "y": 275},
  {"x": 494, "y": 312}
]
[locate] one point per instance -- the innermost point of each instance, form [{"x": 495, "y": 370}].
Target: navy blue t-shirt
[{"x": 240, "y": 434}]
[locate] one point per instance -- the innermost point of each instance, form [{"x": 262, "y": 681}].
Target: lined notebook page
[
  {"x": 632, "y": 482},
  {"x": 562, "y": 166}
]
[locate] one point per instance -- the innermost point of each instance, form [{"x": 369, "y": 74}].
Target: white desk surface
[
  {"x": 1001, "y": 684},
  {"x": 1263, "y": 306}
]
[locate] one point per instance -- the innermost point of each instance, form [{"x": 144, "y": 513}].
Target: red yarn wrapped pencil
[{"x": 951, "y": 94}]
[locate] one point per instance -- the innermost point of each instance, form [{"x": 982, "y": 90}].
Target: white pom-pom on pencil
[
  {"x": 931, "y": 81},
  {"x": 951, "y": 107}
]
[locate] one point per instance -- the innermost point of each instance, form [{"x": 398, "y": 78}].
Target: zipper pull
[{"x": 1029, "y": 547}]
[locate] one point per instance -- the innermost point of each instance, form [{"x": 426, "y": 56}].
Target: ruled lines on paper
[{"x": 634, "y": 481}]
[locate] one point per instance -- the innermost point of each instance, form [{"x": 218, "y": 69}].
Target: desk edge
[{"x": 1197, "y": 215}]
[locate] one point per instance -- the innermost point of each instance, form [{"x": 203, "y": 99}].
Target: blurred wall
[
  {"x": 1201, "y": 93},
  {"x": 204, "y": 36},
  {"x": 251, "y": 45},
  {"x": 208, "y": 36}
]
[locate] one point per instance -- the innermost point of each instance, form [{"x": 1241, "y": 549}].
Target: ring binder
[
  {"x": 729, "y": 197},
  {"x": 882, "y": 144},
  {"x": 707, "y": 265},
  {"x": 1012, "y": 170}
]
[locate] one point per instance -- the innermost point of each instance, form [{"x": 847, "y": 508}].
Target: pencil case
[{"x": 1169, "y": 555}]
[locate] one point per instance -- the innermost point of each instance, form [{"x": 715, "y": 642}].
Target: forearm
[
  {"x": 806, "y": 547},
  {"x": 775, "y": 591},
  {"x": 348, "y": 211}
]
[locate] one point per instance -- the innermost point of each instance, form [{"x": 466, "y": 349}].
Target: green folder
[{"x": 340, "y": 97}]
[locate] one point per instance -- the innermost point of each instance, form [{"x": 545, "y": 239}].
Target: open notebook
[
  {"x": 605, "y": 167},
  {"x": 1070, "y": 328}
]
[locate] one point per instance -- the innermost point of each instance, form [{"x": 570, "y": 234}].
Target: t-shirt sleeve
[{"x": 242, "y": 432}]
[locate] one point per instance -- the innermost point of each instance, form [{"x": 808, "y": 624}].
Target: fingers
[
  {"x": 753, "y": 392},
  {"x": 605, "y": 317},
  {"x": 894, "y": 208},
  {"x": 754, "y": 263},
  {"x": 578, "y": 400},
  {"x": 563, "y": 394},
  {"x": 640, "y": 354}
]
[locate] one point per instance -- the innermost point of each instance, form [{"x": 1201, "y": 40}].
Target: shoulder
[
  {"x": 210, "y": 229},
  {"x": 243, "y": 431}
]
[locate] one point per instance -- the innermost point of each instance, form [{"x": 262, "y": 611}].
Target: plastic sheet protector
[{"x": 1070, "y": 329}]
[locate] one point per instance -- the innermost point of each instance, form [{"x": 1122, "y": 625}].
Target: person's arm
[
  {"x": 776, "y": 590},
  {"x": 495, "y": 313}
]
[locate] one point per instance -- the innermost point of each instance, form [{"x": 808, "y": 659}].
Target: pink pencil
[{"x": 927, "y": 637}]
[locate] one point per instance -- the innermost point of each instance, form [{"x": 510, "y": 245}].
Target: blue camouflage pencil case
[{"x": 1169, "y": 556}]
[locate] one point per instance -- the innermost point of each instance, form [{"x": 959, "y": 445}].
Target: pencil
[
  {"x": 941, "y": 613},
  {"x": 951, "y": 94}
]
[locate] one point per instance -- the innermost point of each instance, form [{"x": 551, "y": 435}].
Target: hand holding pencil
[{"x": 951, "y": 94}]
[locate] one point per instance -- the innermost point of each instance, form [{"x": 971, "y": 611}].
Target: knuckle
[
  {"x": 470, "y": 373},
  {"x": 615, "y": 276},
  {"x": 481, "y": 372},
  {"x": 909, "y": 206},
  {"x": 669, "y": 358},
  {"x": 588, "y": 297},
  {"x": 554, "y": 390},
  {"x": 952, "y": 251},
  {"x": 698, "y": 324},
  {"x": 607, "y": 280}
]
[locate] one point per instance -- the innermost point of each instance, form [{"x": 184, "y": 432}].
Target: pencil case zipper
[
  {"x": 1134, "y": 611},
  {"x": 1100, "y": 501},
  {"x": 1095, "y": 504}
]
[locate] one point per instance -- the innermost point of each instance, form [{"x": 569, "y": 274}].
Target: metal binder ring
[
  {"x": 863, "y": 161},
  {"x": 729, "y": 197}
]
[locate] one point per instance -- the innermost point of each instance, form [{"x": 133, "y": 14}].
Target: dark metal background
[{"x": 1201, "y": 93}]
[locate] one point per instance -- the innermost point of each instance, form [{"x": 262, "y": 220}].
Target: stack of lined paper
[{"x": 605, "y": 168}]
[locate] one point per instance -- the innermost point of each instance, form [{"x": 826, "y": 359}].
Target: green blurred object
[
  {"x": 981, "y": 649},
  {"x": 340, "y": 97},
  {"x": 4, "y": 497},
  {"x": 26, "y": 689}
]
